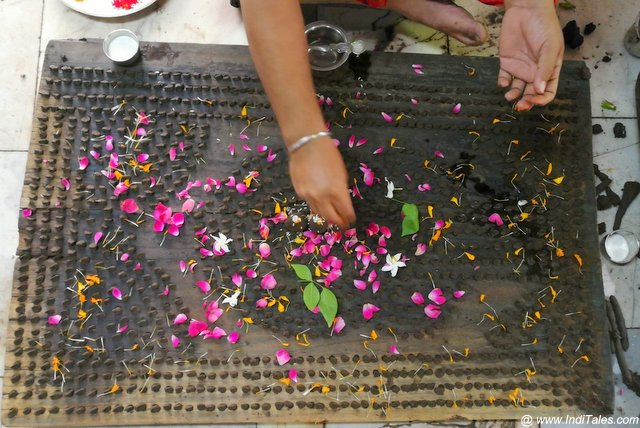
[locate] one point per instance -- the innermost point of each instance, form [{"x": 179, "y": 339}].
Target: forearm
[{"x": 279, "y": 50}]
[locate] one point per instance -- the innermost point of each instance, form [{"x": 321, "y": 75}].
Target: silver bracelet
[{"x": 307, "y": 139}]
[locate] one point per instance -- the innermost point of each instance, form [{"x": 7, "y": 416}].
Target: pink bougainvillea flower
[
  {"x": 293, "y": 375},
  {"x": 213, "y": 312},
  {"x": 424, "y": 187},
  {"x": 233, "y": 337},
  {"x": 393, "y": 263},
  {"x": 204, "y": 286},
  {"x": 421, "y": 249},
  {"x": 236, "y": 278},
  {"x": 457, "y": 108},
  {"x": 115, "y": 292},
  {"x": 338, "y": 325},
  {"x": 359, "y": 284},
  {"x": 394, "y": 349},
  {"x": 368, "y": 309},
  {"x": 179, "y": 319},
  {"x": 129, "y": 206},
  {"x": 66, "y": 185},
  {"x": 268, "y": 282},
  {"x": 108, "y": 140},
  {"x": 173, "y": 153},
  {"x": 120, "y": 189},
  {"x": 175, "y": 342},
  {"x": 386, "y": 117},
  {"x": 264, "y": 249},
  {"x": 417, "y": 298},
  {"x": 496, "y": 219},
  {"x": 283, "y": 356},
  {"x": 432, "y": 311},
  {"x": 83, "y": 163},
  {"x": 458, "y": 294},
  {"x": 196, "y": 327},
  {"x": 114, "y": 161},
  {"x": 54, "y": 319},
  {"x": 437, "y": 297},
  {"x": 216, "y": 333},
  {"x": 27, "y": 212},
  {"x": 439, "y": 224},
  {"x": 372, "y": 229}
]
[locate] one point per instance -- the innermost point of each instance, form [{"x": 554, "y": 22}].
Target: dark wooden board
[{"x": 204, "y": 88}]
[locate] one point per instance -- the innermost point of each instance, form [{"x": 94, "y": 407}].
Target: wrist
[{"x": 530, "y": 3}]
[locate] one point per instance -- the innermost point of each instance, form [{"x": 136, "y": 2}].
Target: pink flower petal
[
  {"x": 204, "y": 286},
  {"x": 352, "y": 140},
  {"x": 439, "y": 224},
  {"x": 233, "y": 337},
  {"x": 386, "y": 232},
  {"x": 165, "y": 292},
  {"x": 124, "y": 257},
  {"x": 414, "y": 101},
  {"x": 457, "y": 108},
  {"x": 245, "y": 137},
  {"x": 438, "y": 154},
  {"x": 361, "y": 142},
  {"x": 338, "y": 325},
  {"x": 386, "y": 117},
  {"x": 114, "y": 161},
  {"x": 196, "y": 327},
  {"x": 232, "y": 149},
  {"x": 393, "y": 349},
  {"x": 83, "y": 163},
  {"x": 283, "y": 356},
  {"x": 213, "y": 312},
  {"x": 129, "y": 206},
  {"x": 54, "y": 319},
  {"x": 179, "y": 319},
  {"x": 261, "y": 303},
  {"x": 27, "y": 212},
  {"x": 137, "y": 267},
  {"x": 437, "y": 297},
  {"x": 271, "y": 156},
  {"x": 115, "y": 292},
  {"x": 142, "y": 157},
  {"x": 175, "y": 342},
  {"x": 216, "y": 333},
  {"x": 261, "y": 148},
  {"x": 421, "y": 249},
  {"x": 268, "y": 282},
  {"x": 368, "y": 309},
  {"x": 108, "y": 142},
  {"x": 236, "y": 278},
  {"x": 375, "y": 287},
  {"x": 173, "y": 153},
  {"x": 424, "y": 187},
  {"x": 432, "y": 311},
  {"x": 360, "y": 284},
  {"x": 265, "y": 250},
  {"x": 293, "y": 375},
  {"x": 496, "y": 219},
  {"x": 417, "y": 298},
  {"x": 251, "y": 273},
  {"x": 458, "y": 294},
  {"x": 123, "y": 328},
  {"x": 94, "y": 154},
  {"x": 97, "y": 237},
  {"x": 378, "y": 151},
  {"x": 65, "y": 183},
  {"x": 372, "y": 276}
]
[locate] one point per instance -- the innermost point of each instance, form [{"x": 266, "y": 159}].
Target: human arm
[
  {"x": 279, "y": 51},
  {"x": 531, "y": 52}
]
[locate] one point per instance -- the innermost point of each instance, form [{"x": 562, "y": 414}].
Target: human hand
[
  {"x": 319, "y": 177},
  {"x": 531, "y": 51}
]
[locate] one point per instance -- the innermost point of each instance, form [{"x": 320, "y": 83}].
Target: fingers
[
  {"x": 517, "y": 88},
  {"x": 548, "y": 66},
  {"x": 335, "y": 208},
  {"x": 504, "y": 78}
]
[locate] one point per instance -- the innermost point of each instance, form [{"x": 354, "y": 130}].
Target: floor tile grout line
[
  {"x": 617, "y": 149},
  {"x": 615, "y": 117}
]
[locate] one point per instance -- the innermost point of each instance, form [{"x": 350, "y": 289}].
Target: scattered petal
[
  {"x": 360, "y": 284},
  {"x": 424, "y": 187},
  {"x": 386, "y": 117},
  {"x": 393, "y": 348},
  {"x": 129, "y": 206},
  {"x": 115, "y": 292},
  {"x": 368, "y": 310},
  {"x": 283, "y": 356},
  {"x": 216, "y": 333},
  {"x": 65, "y": 183},
  {"x": 417, "y": 298},
  {"x": 457, "y": 108},
  {"x": 83, "y": 163},
  {"x": 264, "y": 249},
  {"x": 196, "y": 327},
  {"x": 204, "y": 286},
  {"x": 27, "y": 212},
  {"x": 338, "y": 325},
  {"x": 438, "y": 154},
  {"x": 458, "y": 294},
  {"x": 97, "y": 237},
  {"x": 175, "y": 342},
  {"x": 421, "y": 249},
  {"x": 233, "y": 337},
  {"x": 54, "y": 319},
  {"x": 268, "y": 282},
  {"x": 432, "y": 311},
  {"x": 496, "y": 219},
  {"x": 437, "y": 297},
  {"x": 179, "y": 319}
]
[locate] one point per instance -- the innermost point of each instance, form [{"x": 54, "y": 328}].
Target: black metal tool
[{"x": 618, "y": 334}]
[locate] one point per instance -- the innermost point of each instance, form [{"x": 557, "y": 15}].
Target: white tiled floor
[{"x": 29, "y": 24}]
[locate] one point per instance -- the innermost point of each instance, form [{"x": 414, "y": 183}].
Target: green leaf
[
  {"x": 328, "y": 305},
  {"x": 302, "y": 272},
  {"x": 567, "y": 5},
  {"x": 608, "y": 105},
  {"x": 311, "y": 296},
  {"x": 410, "y": 222}
]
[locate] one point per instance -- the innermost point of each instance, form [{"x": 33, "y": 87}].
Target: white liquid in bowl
[
  {"x": 617, "y": 248},
  {"x": 122, "y": 48}
]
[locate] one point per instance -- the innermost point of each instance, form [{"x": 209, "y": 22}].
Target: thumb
[{"x": 545, "y": 66}]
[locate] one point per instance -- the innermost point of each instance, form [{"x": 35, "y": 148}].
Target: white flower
[
  {"x": 233, "y": 300},
  {"x": 390, "y": 188},
  {"x": 220, "y": 243},
  {"x": 393, "y": 263}
]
